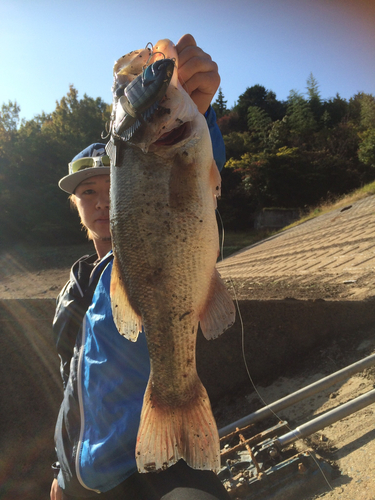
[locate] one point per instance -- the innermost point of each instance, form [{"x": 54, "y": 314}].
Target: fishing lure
[{"x": 138, "y": 100}]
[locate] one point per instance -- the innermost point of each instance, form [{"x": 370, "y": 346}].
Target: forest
[{"x": 291, "y": 154}]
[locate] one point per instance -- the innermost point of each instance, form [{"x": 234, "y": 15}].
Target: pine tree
[
  {"x": 314, "y": 97},
  {"x": 220, "y": 105}
]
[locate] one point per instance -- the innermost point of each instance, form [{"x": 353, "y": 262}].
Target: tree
[
  {"x": 238, "y": 143},
  {"x": 253, "y": 96},
  {"x": 367, "y": 111},
  {"x": 275, "y": 109},
  {"x": 312, "y": 88},
  {"x": 366, "y": 151},
  {"x": 354, "y": 108},
  {"x": 32, "y": 161},
  {"x": 259, "y": 124},
  {"x": 334, "y": 111},
  {"x": 314, "y": 97},
  {"x": 9, "y": 116},
  {"x": 220, "y": 105},
  {"x": 301, "y": 120}
]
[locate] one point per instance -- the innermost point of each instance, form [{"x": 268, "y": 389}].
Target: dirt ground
[{"x": 348, "y": 445}]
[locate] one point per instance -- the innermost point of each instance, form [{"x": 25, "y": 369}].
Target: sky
[{"x": 47, "y": 45}]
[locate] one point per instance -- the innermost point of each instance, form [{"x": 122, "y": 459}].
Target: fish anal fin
[
  {"x": 219, "y": 312},
  {"x": 127, "y": 321},
  {"x": 167, "y": 434}
]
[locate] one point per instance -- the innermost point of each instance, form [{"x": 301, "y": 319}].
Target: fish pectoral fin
[
  {"x": 127, "y": 321},
  {"x": 168, "y": 433},
  {"x": 219, "y": 312}
]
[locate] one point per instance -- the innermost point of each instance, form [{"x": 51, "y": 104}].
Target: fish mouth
[{"x": 174, "y": 136}]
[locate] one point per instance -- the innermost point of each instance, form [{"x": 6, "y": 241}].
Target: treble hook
[
  {"x": 152, "y": 55},
  {"x": 106, "y": 130}
]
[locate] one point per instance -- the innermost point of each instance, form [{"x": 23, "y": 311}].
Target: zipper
[{"x": 81, "y": 409}]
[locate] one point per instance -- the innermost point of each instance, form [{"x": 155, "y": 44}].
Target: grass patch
[
  {"x": 237, "y": 240},
  {"x": 340, "y": 202}
]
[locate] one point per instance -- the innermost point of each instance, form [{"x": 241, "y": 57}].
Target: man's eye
[{"x": 88, "y": 191}]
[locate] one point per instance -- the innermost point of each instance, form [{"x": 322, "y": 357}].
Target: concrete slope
[{"x": 329, "y": 257}]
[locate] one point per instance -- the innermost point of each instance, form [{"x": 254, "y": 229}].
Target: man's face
[{"x": 92, "y": 201}]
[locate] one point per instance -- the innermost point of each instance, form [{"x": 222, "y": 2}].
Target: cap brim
[{"x": 71, "y": 181}]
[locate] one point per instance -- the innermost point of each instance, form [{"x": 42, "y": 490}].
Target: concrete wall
[
  {"x": 275, "y": 219},
  {"x": 278, "y": 336}
]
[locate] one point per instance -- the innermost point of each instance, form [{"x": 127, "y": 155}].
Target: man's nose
[{"x": 103, "y": 200}]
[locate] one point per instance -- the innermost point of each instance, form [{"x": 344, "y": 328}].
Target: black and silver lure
[{"x": 141, "y": 97}]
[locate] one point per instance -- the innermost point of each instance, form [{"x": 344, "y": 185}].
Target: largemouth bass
[{"x": 164, "y": 186}]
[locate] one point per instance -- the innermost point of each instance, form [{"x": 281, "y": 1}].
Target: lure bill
[{"x": 164, "y": 185}]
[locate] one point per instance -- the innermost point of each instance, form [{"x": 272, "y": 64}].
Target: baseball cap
[{"x": 90, "y": 162}]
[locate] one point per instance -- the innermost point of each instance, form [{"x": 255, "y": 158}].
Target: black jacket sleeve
[{"x": 71, "y": 306}]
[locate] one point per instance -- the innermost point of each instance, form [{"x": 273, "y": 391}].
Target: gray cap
[{"x": 90, "y": 162}]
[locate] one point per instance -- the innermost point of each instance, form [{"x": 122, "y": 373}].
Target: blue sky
[{"x": 47, "y": 45}]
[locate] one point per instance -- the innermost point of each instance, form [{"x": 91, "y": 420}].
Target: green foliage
[
  {"x": 312, "y": 88},
  {"x": 297, "y": 153},
  {"x": 220, "y": 105},
  {"x": 295, "y": 178},
  {"x": 366, "y": 151},
  {"x": 368, "y": 112},
  {"x": 334, "y": 111},
  {"x": 289, "y": 154},
  {"x": 301, "y": 120},
  {"x": 314, "y": 97},
  {"x": 259, "y": 123},
  {"x": 237, "y": 143},
  {"x": 235, "y": 204},
  {"x": 253, "y": 96},
  {"x": 34, "y": 157},
  {"x": 9, "y": 116}
]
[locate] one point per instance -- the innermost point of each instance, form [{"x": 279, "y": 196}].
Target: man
[{"x": 98, "y": 420}]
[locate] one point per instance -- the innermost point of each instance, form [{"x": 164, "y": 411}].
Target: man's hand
[
  {"x": 197, "y": 72},
  {"x": 56, "y": 491}
]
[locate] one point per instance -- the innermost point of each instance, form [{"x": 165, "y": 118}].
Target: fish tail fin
[
  {"x": 219, "y": 312},
  {"x": 167, "y": 434}
]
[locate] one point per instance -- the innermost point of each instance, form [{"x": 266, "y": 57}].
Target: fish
[{"x": 163, "y": 197}]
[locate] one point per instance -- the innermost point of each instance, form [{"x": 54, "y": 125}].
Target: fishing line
[{"x": 243, "y": 348}]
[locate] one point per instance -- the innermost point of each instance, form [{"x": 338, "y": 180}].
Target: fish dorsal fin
[
  {"x": 127, "y": 321},
  {"x": 219, "y": 312}
]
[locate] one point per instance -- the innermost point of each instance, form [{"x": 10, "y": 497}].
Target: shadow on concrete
[
  {"x": 280, "y": 336},
  {"x": 30, "y": 397}
]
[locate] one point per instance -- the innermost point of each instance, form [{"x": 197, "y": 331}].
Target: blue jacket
[{"x": 104, "y": 376}]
